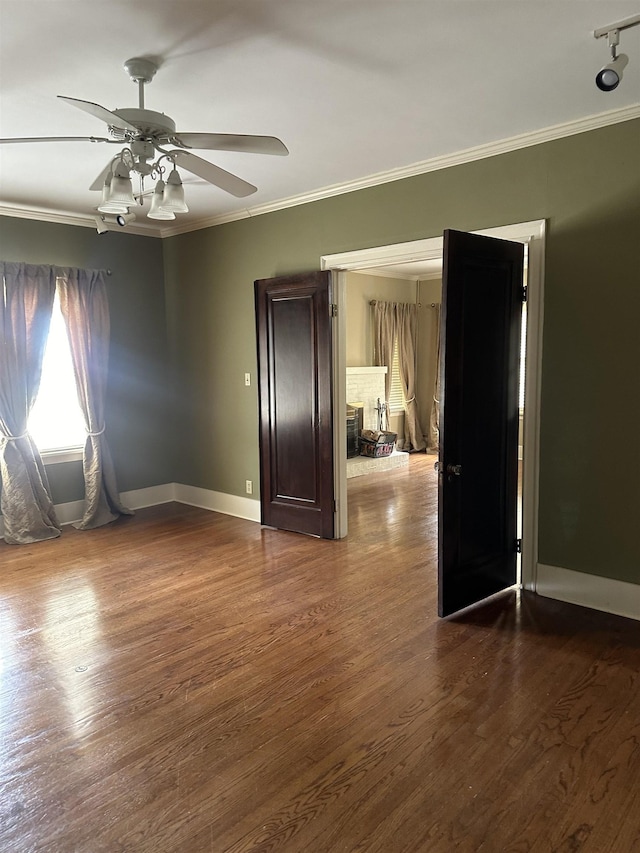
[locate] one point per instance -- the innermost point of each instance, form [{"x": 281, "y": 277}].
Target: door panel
[
  {"x": 478, "y": 467},
  {"x": 296, "y": 428}
]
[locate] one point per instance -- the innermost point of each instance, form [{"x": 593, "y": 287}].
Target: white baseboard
[
  {"x": 69, "y": 513},
  {"x": 218, "y": 502},
  {"x": 151, "y": 496},
  {"x": 611, "y": 596},
  {"x": 72, "y": 511}
]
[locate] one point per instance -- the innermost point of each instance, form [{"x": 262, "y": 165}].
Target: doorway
[{"x": 529, "y": 233}]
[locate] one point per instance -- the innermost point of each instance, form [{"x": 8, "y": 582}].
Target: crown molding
[
  {"x": 468, "y": 155},
  {"x": 64, "y": 217}
]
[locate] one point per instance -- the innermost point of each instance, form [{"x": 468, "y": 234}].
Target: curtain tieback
[
  {"x": 95, "y": 434},
  {"x": 14, "y": 437},
  {"x": 411, "y": 399}
]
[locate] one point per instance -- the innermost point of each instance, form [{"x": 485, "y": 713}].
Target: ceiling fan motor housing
[{"x": 152, "y": 125}]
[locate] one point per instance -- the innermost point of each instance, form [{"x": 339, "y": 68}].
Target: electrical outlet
[
  {"x": 249, "y": 487},
  {"x": 247, "y": 379}
]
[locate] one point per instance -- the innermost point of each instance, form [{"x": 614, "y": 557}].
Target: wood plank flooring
[{"x": 186, "y": 681}]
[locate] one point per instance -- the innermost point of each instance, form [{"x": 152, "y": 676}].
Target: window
[
  {"x": 396, "y": 395},
  {"x": 56, "y": 421}
]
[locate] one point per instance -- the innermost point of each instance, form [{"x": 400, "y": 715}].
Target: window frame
[{"x": 65, "y": 453}]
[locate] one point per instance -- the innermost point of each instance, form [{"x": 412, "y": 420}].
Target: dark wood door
[
  {"x": 296, "y": 426},
  {"x": 478, "y": 465}
]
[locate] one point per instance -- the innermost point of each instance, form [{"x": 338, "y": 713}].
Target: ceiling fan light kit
[{"x": 145, "y": 133}]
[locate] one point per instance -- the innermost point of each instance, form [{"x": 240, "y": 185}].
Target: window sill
[{"x": 69, "y": 454}]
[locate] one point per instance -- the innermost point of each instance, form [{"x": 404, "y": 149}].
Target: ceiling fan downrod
[{"x": 141, "y": 71}]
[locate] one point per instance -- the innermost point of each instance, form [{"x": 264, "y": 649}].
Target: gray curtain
[
  {"x": 406, "y": 333},
  {"x": 83, "y": 301},
  {"x": 26, "y": 302},
  {"x": 433, "y": 444}
]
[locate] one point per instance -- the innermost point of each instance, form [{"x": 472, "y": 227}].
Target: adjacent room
[{"x": 215, "y": 219}]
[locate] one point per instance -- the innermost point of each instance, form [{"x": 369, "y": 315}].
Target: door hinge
[
  {"x": 335, "y": 505},
  {"x": 333, "y": 310},
  {"x": 525, "y": 293},
  {"x": 518, "y": 546}
]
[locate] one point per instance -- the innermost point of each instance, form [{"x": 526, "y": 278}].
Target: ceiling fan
[{"x": 145, "y": 133}]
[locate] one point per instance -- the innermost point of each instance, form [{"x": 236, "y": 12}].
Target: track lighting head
[
  {"x": 106, "y": 221},
  {"x": 101, "y": 225},
  {"x": 123, "y": 219},
  {"x": 609, "y": 77}
]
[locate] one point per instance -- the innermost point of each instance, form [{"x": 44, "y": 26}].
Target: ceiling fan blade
[
  {"x": 246, "y": 143},
  {"x": 213, "y": 174},
  {"x": 56, "y": 139},
  {"x": 101, "y": 113}
]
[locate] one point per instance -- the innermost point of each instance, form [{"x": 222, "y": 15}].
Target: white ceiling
[{"x": 355, "y": 88}]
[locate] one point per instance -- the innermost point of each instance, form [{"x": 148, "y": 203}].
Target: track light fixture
[
  {"x": 609, "y": 76},
  {"x": 123, "y": 219},
  {"x": 101, "y": 225},
  {"x": 107, "y": 221}
]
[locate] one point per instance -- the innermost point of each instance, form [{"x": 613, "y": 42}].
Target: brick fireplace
[{"x": 365, "y": 385}]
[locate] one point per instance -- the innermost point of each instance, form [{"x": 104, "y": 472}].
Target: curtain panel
[
  {"x": 397, "y": 321},
  {"x": 406, "y": 333},
  {"x": 26, "y": 302},
  {"x": 384, "y": 336},
  {"x": 84, "y": 305}
]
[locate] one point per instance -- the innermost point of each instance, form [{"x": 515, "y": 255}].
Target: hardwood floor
[{"x": 186, "y": 681}]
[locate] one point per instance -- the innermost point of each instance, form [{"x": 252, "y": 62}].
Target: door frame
[{"x": 532, "y": 234}]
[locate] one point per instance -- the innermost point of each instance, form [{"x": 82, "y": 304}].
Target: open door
[
  {"x": 293, "y": 319},
  {"x": 478, "y": 466}
]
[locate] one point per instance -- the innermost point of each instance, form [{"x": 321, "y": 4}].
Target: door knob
[{"x": 456, "y": 470}]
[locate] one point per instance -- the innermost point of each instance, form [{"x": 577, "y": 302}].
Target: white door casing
[{"x": 533, "y": 235}]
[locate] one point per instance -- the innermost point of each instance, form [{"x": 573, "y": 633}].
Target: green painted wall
[
  {"x": 201, "y": 325},
  {"x": 139, "y": 405},
  {"x": 587, "y": 187}
]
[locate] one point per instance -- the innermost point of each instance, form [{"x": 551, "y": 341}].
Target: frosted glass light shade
[
  {"x": 157, "y": 209},
  {"x": 108, "y": 203},
  {"x": 173, "y": 197},
  {"x": 122, "y": 191}
]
